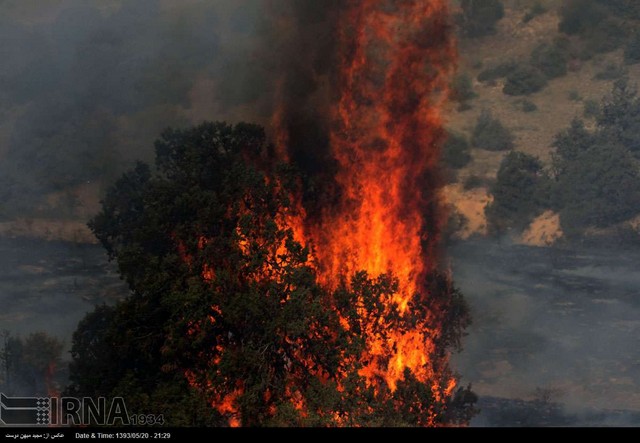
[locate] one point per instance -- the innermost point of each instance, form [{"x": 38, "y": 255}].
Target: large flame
[
  {"x": 395, "y": 62},
  {"x": 395, "y": 59}
]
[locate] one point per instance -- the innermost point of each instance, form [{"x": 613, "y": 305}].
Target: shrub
[
  {"x": 608, "y": 35},
  {"x": 498, "y": 71},
  {"x": 632, "y": 50},
  {"x": 519, "y": 193},
  {"x": 524, "y": 80},
  {"x": 551, "y": 60},
  {"x": 570, "y": 143},
  {"x": 490, "y": 134},
  {"x": 479, "y": 17},
  {"x": 611, "y": 71},
  {"x": 593, "y": 21},
  {"x": 597, "y": 178},
  {"x": 536, "y": 10},
  {"x": 591, "y": 109},
  {"x": 628, "y": 9},
  {"x": 580, "y": 16},
  {"x": 601, "y": 187},
  {"x": 472, "y": 182},
  {"x": 462, "y": 88},
  {"x": 528, "y": 106},
  {"x": 456, "y": 151},
  {"x": 619, "y": 117}
]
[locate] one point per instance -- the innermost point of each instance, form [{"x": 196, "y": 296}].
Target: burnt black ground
[
  {"x": 49, "y": 286},
  {"x": 556, "y": 327},
  {"x": 554, "y": 340}
]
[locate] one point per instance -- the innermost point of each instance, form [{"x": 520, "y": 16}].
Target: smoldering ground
[{"x": 556, "y": 327}]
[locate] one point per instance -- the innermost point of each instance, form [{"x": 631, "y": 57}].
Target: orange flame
[
  {"x": 396, "y": 61},
  {"x": 52, "y": 389}
]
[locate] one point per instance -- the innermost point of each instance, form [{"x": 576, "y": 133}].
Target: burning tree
[
  {"x": 227, "y": 309},
  {"x": 282, "y": 293}
]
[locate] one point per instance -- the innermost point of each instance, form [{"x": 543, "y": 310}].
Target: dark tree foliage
[
  {"x": 600, "y": 188},
  {"x": 550, "y": 59},
  {"x": 581, "y": 16},
  {"x": 479, "y": 17},
  {"x": 225, "y": 303},
  {"x": 94, "y": 368},
  {"x": 602, "y": 25},
  {"x": 571, "y": 143},
  {"x": 456, "y": 151},
  {"x": 632, "y": 50},
  {"x": 490, "y": 134},
  {"x": 619, "y": 118},
  {"x": 535, "y": 10},
  {"x": 629, "y": 9},
  {"x": 597, "y": 176},
  {"x": 498, "y": 71},
  {"x": 462, "y": 90},
  {"x": 29, "y": 365},
  {"x": 520, "y": 192},
  {"x": 524, "y": 80}
]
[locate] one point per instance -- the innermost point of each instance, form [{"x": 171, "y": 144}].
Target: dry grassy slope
[{"x": 534, "y": 131}]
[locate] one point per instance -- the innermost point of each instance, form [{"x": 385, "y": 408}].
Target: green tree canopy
[
  {"x": 570, "y": 143},
  {"x": 455, "y": 152},
  {"x": 520, "y": 192},
  {"x": 597, "y": 172},
  {"x": 490, "y": 134},
  {"x": 597, "y": 185},
  {"x": 619, "y": 117},
  {"x": 551, "y": 59}
]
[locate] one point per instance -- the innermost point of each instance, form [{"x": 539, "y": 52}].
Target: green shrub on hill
[
  {"x": 524, "y": 80},
  {"x": 480, "y": 17},
  {"x": 490, "y": 134},
  {"x": 456, "y": 151},
  {"x": 550, "y": 59},
  {"x": 520, "y": 192}
]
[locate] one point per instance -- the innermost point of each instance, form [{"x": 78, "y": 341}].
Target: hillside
[
  {"x": 563, "y": 99},
  {"x": 54, "y": 194}
]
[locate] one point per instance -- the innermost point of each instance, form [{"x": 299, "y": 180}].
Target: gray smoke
[{"x": 86, "y": 86}]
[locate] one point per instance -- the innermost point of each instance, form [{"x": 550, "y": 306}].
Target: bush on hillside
[
  {"x": 520, "y": 192},
  {"x": 535, "y": 10},
  {"x": 480, "y": 17},
  {"x": 456, "y": 151},
  {"x": 462, "y": 89},
  {"x": 490, "y": 134},
  {"x": 498, "y": 71},
  {"x": 580, "y": 16},
  {"x": 550, "y": 59},
  {"x": 524, "y": 80},
  {"x": 632, "y": 50}
]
